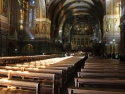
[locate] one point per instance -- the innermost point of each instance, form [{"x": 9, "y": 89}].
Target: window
[
  {"x": 34, "y": 17},
  {"x": 32, "y": 13},
  {"x": 32, "y": 2},
  {"x": 30, "y": 18}
]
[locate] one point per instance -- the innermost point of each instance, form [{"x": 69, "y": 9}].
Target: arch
[
  {"x": 91, "y": 26},
  {"x": 59, "y": 7},
  {"x": 28, "y": 49},
  {"x": 78, "y": 8}
]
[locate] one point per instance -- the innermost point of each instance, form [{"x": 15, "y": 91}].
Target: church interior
[{"x": 55, "y": 39}]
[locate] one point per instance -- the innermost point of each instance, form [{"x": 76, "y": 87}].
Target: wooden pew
[
  {"x": 98, "y": 78},
  {"x": 93, "y": 74},
  {"x": 36, "y": 86},
  {"x": 105, "y": 66},
  {"x": 98, "y": 81},
  {"x": 68, "y": 70},
  {"x": 47, "y": 78},
  {"x": 72, "y": 65},
  {"x": 59, "y": 73},
  {"x": 103, "y": 70},
  {"x": 65, "y": 70},
  {"x": 59, "y": 79},
  {"x": 108, "y": 67},
  {"x": 84, "y": 90},
  {"x": 16, "y": 91},
  {"x": 44, "y": 77},
  {"x": 17, "y": 59},
  {"x": 1, "y": 61},
  {"x": 11, "y": 68}
]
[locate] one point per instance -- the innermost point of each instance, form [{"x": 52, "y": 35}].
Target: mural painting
[
  {"x": 67, "y": 33},
  {"x": 81, "y": 28},
  {"x": 67, "y": 28},
  {"x": 85, "y": 25},
  {"x": 5, "y": 8},
  {"x": 116, "y": 26}
]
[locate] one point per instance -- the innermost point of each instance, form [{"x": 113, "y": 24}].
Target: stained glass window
[
  {"x": 32, "y": 2},
  {"x": 30, "y": 18},
  {"x": 34, "y": 17},
  {"x": 5, "y": 6},
  {"x": 32, "y": 13}
]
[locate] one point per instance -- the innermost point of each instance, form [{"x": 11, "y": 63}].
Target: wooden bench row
[
  {"x": 101, "y": 75},
  {"x": 17, "y": 59},
  {"x": 98, "y": 81},
  {"x": 35, "y": 86},
  {"x": 60, "y": 74},
  {"x": 83, "y": 90},
  {"x": 91, "y": 79},
  {"x": 100, "y": 70},
  {"x": 25, "y": 75}
]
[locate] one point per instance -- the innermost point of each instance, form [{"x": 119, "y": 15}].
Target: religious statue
[
  {"x": 37, "y": 28},
  {"x": 43, "y": 28},
  {"x": 115, "y": 25},
  {"x": 108, "y": 25}
]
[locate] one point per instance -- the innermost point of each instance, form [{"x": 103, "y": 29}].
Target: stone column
[{"x": 4, "y": 28}]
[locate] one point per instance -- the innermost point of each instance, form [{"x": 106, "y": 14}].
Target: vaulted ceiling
[{"x": 60, "y": 10}]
